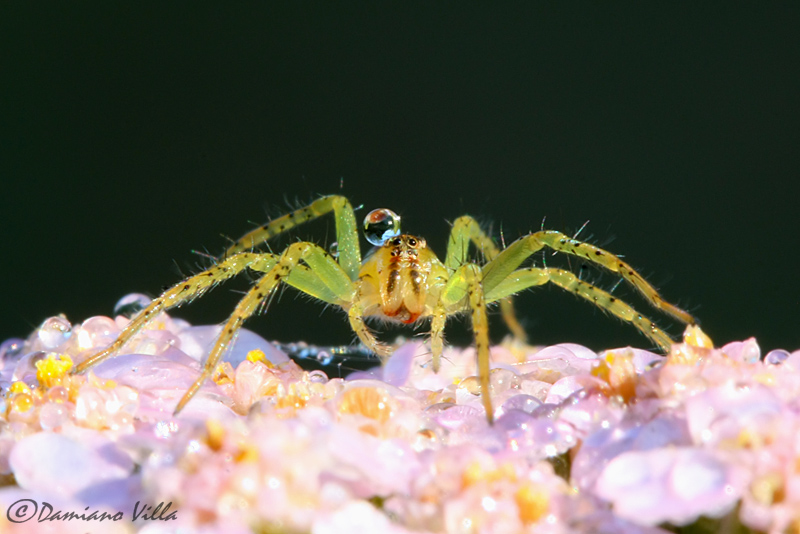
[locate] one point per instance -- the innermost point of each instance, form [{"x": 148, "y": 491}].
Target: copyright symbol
[{"x": 18, "y": 512}]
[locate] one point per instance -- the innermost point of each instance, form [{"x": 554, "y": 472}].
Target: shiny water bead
[
  {"x": 502, "y": 380},
  {"x": 99, "y": 408},
  {"x": 317, "y": 377},
  {"x": 776, "y": 357},
  {"x": 471, "y": 384},
  {"x": 10, "y": 348},
  {"x": 96, "y": 331},
  {"x": 381, "y": 225},
  {"x": 157, "y": 342},
  {"x": 525, "y": 403},
  {"x": 22, "y": 402},
  {"x": 333, "y": 249},
  {"x": 53, "y": 415},
  {"x": 131, "y": 304},
  {"x": 54, "y": 331},
  {"x": 57, "y": 394},
  {"x": 19, "y": 387}
]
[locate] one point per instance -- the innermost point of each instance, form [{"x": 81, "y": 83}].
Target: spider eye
[
  {"x": 412, "y": 242},
  {"x": 381, "y": 225}
]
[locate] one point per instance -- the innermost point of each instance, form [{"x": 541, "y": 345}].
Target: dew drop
[
  {"x": 317, "y": 377},
  {"x": 57, "y": 394},
  {"x": 776, "y": 357},
  {"x": 52, "y": 416},
  {"x": 526, "y": 403},
  {"x": 130, "y": 305},
  {"x": 324, "y": 357},
  {"x": 471, "y": 384},
  {"x": 10, "y": 348},
  {"x": 333, "y": 249},
  {"x": 54, "y": 331},
  {"x": 503, "y": 380},
  {"x": 381, "y": 225}
]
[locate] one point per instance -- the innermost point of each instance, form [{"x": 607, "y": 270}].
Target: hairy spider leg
[
  {"x": 346, "y": 230},
  {"x": 322, "y": 270},
  {"x": 499, "y": 269},
  {"x": 526, "y": 278},
  {"x": 465, "y": 230},
  {"x": 181, "y": 293},
  {"x": 466, "y": 283}
]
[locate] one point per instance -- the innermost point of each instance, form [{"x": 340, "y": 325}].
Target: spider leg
[
  {"x": 330, "y": 273},
  {"x": 356, "y": 317},
  {"x": 466, "y": 230},
  {"x": 438, "y": 320},
  {"x": 316, "y": 283},
  {"x": 192, "y": 287},
  {"x": 346, "y": 230},
  {"x": 509, "y": 259},
  {"x": 466, "y": 283},
  {"x": 525, "y": 278}
]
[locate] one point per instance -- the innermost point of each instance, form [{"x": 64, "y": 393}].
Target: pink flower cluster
[{"x": 621, "y": 441}]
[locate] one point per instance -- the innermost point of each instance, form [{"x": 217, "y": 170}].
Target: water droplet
[
  {"x": 130, "y": 305},
  {"x": 52, "y": 416},
  {"x": 57, "y": 394},
  {"x": 317, "y": 377},
  {"x": 54, "y": 331},
  {"x": 97, "y": 331},
  {"x": 334, "y": 249},
  {"x": 776, "y": 357},
  {"x": 324, "y": 358},
  {"x": 10, "y": 348},
  {"x": 471, "y": 384},
  {"x": 381, "y": 225},
  {"x": 503, "y": 380},
  {"x": 526, "y": 403}
]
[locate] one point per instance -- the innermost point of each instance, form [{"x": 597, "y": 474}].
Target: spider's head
[
  {"x": 407, "y": 246},
  {"x": 396, "y": 275}
]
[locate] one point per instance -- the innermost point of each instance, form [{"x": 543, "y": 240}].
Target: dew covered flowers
[{"x": 621, "y": 441}]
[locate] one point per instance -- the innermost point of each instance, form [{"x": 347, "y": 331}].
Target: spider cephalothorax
[
  {"x": 401, "y": 280},
  {"x": 406, "y": 274}
]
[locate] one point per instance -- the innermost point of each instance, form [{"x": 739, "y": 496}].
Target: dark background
[{"x": 130, "y": 136}]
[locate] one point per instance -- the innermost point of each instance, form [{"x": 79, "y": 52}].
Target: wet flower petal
[
  {"x": 674, "y": 485},
  {"x": 53, "y": 463}
]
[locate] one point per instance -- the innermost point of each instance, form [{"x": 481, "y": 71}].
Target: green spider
[{"x": 402, "y": 280}]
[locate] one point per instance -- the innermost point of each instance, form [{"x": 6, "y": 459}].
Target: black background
[{"x": 131, "y": 136}]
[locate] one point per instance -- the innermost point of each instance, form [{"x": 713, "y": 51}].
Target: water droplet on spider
[
  {"x": 130, "y": 305},
  {"x": 381, "y": 225},
  {"x": 54, "y": 331}
]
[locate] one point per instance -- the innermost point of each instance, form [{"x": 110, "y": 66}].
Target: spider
[{"x": 402, "y": 280}]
